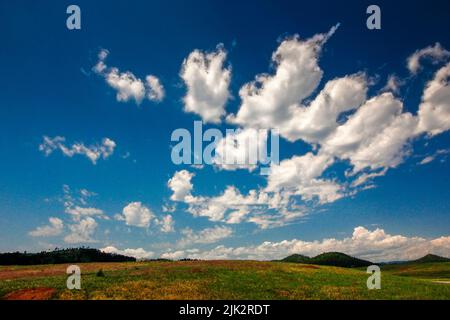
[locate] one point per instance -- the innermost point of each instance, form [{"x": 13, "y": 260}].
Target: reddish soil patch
[{"x": 31, "y": 294}]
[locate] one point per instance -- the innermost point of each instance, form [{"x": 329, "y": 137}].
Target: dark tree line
[{"x": 76, "y": 255}]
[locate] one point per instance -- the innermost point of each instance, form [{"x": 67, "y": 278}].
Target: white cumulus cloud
[
  {"x": 341, "y": 124},
  {"x": 300, "y": 176},
  {"x": 207, "y": 82},
  {"x": 136, "y": 214},
  {"x": 373, "y": 245},
  {"x": 240, "y": 149},
  {"x": 434, "y": 111},
  {"x": 126, "y": 84},
  {"x": 138, "y": 253},
  {"x": 82, "y": 231},
  {"x": 55, "y": 228},
  {"x": 181, "y": 186},
  {"x": 155, "y": 90},
  {"x": 271, "y": 100},
  {"x": 166, "y": 224},
  {"x": 233, "y": 207}
]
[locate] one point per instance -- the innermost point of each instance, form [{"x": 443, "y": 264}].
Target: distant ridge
[
  {"x": 339, "y": 259},
  {"x": 430, "y": 258},
  {"x": 336, "y": 259}
]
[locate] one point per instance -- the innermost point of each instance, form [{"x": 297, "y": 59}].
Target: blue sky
[{"x": 49, "y": 88}]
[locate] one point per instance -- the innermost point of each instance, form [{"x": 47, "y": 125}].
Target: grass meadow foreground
[{"x": 223, "y": 280}]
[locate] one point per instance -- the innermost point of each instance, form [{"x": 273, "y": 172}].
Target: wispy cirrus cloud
[
  {"x": 205, "y": 236},
  {"x": 80, "y": 219},
  {"x": 93, "y": 152},
  {"x": 434, "y": 53}
]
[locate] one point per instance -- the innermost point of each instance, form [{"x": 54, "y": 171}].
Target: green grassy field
[{"x": 224, "y": 280}]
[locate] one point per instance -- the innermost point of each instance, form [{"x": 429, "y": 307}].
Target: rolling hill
[
  {"x": 297, "y": 258},
  {"x": 336, "y": 259},
  {"x": 430, "y": 258}
]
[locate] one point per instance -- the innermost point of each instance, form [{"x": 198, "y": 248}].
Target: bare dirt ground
[{"x": 31, "y": 294}]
